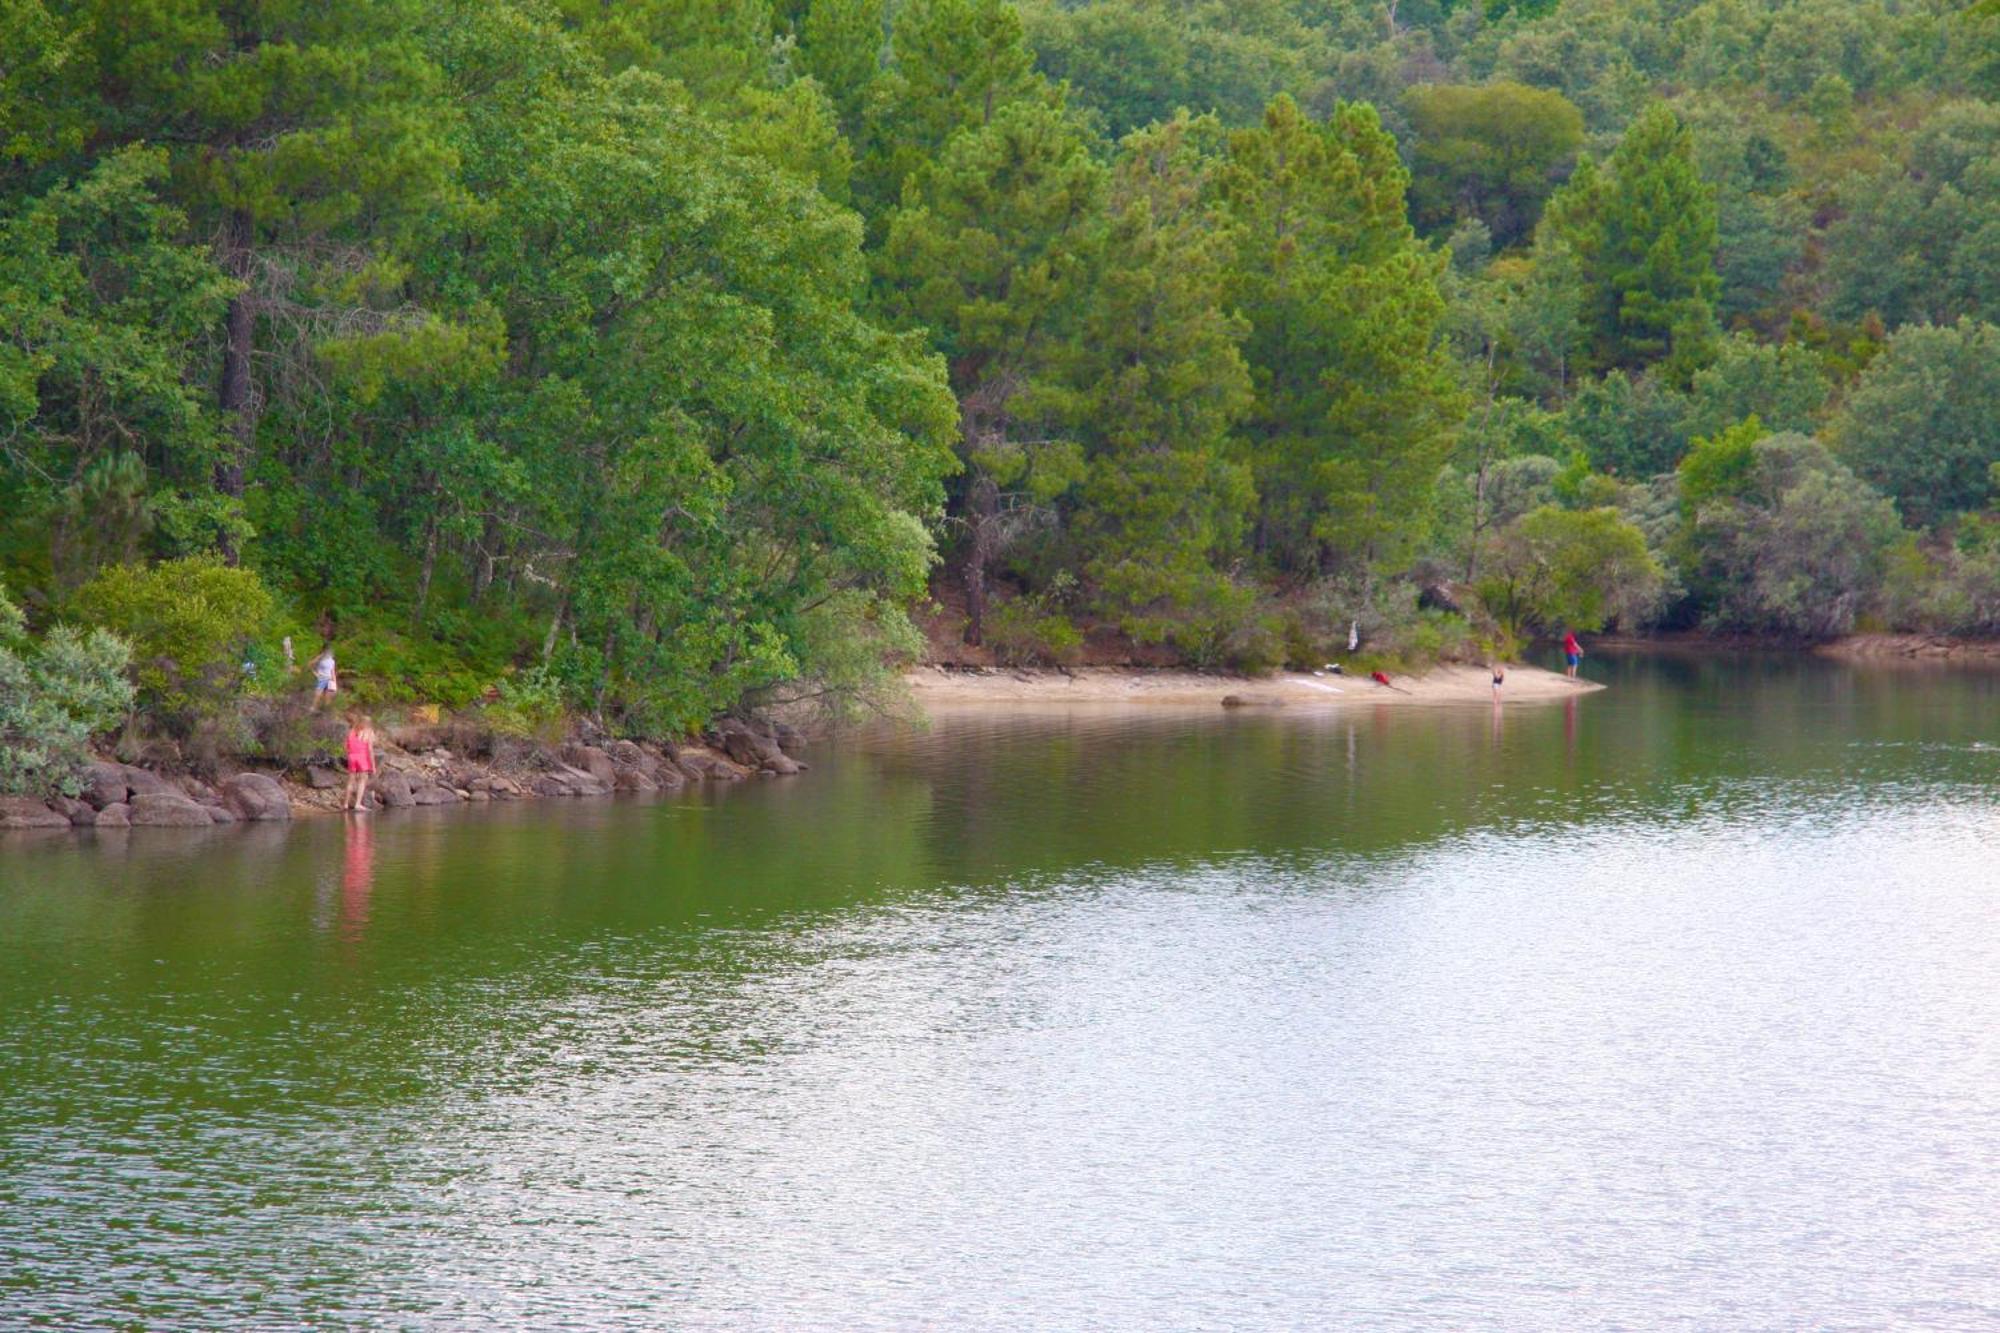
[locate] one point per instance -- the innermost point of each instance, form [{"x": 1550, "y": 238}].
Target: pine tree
[
  {"x": 991, "y": 252},
  {"x": 1643, "y": 233},
  {"x": 1356, "y": 397}
]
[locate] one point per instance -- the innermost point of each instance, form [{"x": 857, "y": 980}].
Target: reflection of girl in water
[
  {"x": 360, "y": 760},
  {"x": 357, "y": 880}
]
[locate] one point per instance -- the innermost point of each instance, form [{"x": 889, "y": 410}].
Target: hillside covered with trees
[{"x": 657, "y": 359}]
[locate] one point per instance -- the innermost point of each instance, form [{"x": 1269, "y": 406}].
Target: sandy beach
[{"x": 946, "y": 687}]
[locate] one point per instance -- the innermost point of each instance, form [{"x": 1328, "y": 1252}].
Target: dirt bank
[
  {"x": 1911, "y": 648},
  {"x": 944, "y": 687}
]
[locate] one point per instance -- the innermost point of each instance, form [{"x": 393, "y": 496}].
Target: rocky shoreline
[{"x": 413, "y": 770}]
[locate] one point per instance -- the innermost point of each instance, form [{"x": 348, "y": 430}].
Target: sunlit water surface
[{"x": 1675, "y": 1006}]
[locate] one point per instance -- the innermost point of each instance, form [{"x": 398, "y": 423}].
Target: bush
[
  {"x": 1578, "y": 568},
  {"x": 189, "y": 623},
  {"x": 530, "y": 706},
  {"x": 1027, "y": 631},
  {"x": 379, "y": 665},
  {"x": 1803, "y": 550},
  {"x": 54, "y": 695}
]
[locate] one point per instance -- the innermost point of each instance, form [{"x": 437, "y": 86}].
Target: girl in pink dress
[{"x": 360, "y": 760}]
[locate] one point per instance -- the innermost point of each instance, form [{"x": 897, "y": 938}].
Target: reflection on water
[{"x": 1669, "y": 1006}]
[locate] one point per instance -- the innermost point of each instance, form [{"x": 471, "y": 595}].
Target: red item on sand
[{"x": 1380, "y": 678}]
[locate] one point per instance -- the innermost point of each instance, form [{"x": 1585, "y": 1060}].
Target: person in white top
[{"x": 326, "y": 676}]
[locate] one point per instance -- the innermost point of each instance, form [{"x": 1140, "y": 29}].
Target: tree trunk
[
  {"x": 984, "y": 504},
  {"x": 238, "y": 397},
  {"x": 1485, "y": 462},
  {"x": 555, "y": 630},
  {"x": 424, "y": 574}
]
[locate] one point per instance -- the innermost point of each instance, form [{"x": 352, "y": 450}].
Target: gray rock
[
  {"x": 548, "y": 784},
  {"x": 583, "y": 782},
  {"x": 104, "y": 784},
  {"x": 117, "y": 815},
  {"x": 432, "y": 794},
  {"x": 705, "y": 765},
  {"x": 323, "y": 779},
  {"x": 27, "y": 812},
  {"x": 220, "y": 814},
  {"x": 80, "y": 813},
  {"x": 167, "y": 810},
  {"x": 628, "y": 754},
  {"x": 197, "y": 791},
  {"x": 145, "y": 782},
  {"x": 632, "y": 779},
  {"x": 254, "y": 796},
  {"x": 392, "y": 788},
  {"x": 756, "y": 752},
  {"x": 591, "y": 760}
]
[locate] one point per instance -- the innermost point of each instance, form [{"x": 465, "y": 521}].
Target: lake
[{"x": 1672, "y": 1006}]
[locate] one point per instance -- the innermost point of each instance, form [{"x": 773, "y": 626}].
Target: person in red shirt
[
  {"x": 360, "y": 760},
  {"x": 1572, "y": 653}
]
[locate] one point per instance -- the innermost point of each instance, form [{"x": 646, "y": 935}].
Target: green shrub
[
  {"x": 54, "y": 695},
  {"x": 1559, "y": 567},
  {"x": 189, "y": 623},
  {"x": 1027, "y": 631},
  {"x": 530, "y": 706},
  {"x": 379, "y": 665}
]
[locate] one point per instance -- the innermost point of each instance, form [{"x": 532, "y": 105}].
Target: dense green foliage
[
  {"x": 55, "y": 694},
  {"x": 658, "y": 358}
]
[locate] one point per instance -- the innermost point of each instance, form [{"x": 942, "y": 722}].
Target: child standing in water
[
  {"x": 360, "y": 760},
  {"x": 1499, "y": 679}
]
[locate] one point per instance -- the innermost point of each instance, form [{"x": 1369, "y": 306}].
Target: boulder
[
  {"x": 787, "y": 736},
  {"x": 220, "y": 814},
  {"x": 80, "y": 813},
  {"x": 584, "y": 782},
  {"x": 323, "y": 779},
  {"x": 168, "y": 810},
  {"x": 591, "y": 760},
  {"x": 118, "y": 815},
  {"x": 392, "y": 788},
  {"x": 105, "y": 784},
  {"x": 197, "y": 791},
  {"x": 145, "y": 782},
  {"x": 705, "y": 765},
  {"x": 548, "y": 784},
  {"x": 756, "y": 751},
  {"x": 27, "y": 812},
  {"x": 254, "y": 796},
  {"x": 629, "y": 754},
  {"x": 633, "y": 779},
  {"x": 432, "y": 794}
]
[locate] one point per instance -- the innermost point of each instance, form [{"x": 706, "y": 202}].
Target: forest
[{"x": 652, "y": 359}]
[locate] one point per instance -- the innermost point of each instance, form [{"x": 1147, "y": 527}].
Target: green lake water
[{"x": 1672, "y": 1006}]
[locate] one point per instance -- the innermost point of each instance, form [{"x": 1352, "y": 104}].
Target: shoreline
[
  {"x": 421, "y": 771},
  {"x": 118, "y": 796},
  {"x": 1881, "y": 648},
  {"x": 952, "y": 687}
]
